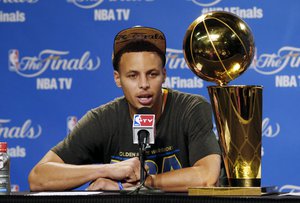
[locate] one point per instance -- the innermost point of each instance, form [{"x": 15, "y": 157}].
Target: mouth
[{"x": 145, "y": 99}]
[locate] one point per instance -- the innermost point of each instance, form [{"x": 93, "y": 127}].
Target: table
[{"x": 110, "y": 197}]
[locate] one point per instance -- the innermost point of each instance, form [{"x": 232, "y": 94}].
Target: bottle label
[
  {"x": 3, "y": 189},
  {"x": 4, "y": 186},
  {"x": 4, "y": 161},
  {"x": 1, "y": 161},
  {"x": 4, "y": 174}
]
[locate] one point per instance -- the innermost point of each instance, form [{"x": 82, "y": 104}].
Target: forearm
[
  {"x": 179, "y": 180},
  {"x": 204, "y": 173},
  {"x": 51, "y": 173},
  {"x": 60, "y": 176}
]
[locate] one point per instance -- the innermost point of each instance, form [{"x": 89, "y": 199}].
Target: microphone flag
[{"x": 144, "y": 120}]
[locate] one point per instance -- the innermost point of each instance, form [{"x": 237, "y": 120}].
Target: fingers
[
  {"x": 128, "y": 170},
  {"x": 133, "y": 169},
  {"x": 107, "y": 184},
  {"x": 98, "y": 184},
  {"x": 129, "y": 185}
]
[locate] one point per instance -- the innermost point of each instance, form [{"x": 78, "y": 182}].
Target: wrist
[
  {"x": 150, "y": 181},
  {"x": 101, "y": 171}
]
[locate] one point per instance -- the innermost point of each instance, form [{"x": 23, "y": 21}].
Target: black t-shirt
[{"x": 104, "y": 135}]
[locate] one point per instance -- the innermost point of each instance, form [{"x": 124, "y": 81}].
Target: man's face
[{"x": 141, "y": 76}]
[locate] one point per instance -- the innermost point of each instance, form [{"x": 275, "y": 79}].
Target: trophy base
[
  {"x": 231, "y": 191},
  {"x": 254, "y": 182}
]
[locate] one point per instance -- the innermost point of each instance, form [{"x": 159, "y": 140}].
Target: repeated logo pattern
[{"x": 55, "y": 61}]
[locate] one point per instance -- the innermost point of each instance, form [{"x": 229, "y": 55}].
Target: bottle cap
[{"x": 3, "y": 146}]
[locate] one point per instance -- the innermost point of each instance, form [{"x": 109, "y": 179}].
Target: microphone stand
[
  {"x": 143, "y": 141},
  {"x": 142, "y": 149},
  {"x": 143, "y": 137}
]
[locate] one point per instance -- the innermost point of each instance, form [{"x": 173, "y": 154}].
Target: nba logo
[
  {"x": 143, "y": 120},
  {"x": 13, "y": 59},
  {"x": 136, "y": 119},
  {"x": 71, "y": 123},
  {"x": 15, "y": 188}
]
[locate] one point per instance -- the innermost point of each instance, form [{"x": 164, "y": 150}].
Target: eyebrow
[{"x": 136, "y": 70}]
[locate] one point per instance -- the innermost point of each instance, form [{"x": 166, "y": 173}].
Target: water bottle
[{"x": 4, "y": 170}]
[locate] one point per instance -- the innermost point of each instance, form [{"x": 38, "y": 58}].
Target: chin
[{"x": 148, "y": 106}]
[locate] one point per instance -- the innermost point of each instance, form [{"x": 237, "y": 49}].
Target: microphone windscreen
[{"x": 145, "y": 110}]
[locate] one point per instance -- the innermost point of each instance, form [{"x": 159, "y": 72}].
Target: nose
[{"x": 143, "y": 82}]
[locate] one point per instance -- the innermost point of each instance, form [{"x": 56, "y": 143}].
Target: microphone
[{"x": 143, "y": 126}]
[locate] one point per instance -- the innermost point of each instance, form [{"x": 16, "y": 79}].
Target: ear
[
  {"x": 117, "y": 78},
  {"x": 164, "y": 74}
]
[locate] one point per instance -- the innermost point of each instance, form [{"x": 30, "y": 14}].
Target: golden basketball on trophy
[{"x": 219, "y": 47}]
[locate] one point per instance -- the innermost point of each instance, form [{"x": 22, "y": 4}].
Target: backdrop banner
[{"x": 55, "y": 65}]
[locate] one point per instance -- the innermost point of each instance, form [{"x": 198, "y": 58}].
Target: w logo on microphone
[{"x": 145, "y": 120}]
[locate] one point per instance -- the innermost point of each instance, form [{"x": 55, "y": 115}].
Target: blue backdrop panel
[{"x": 55, "y": 64}]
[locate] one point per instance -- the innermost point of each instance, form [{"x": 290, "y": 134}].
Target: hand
[
  {"x": 127, "y": 171},
  {"x": 108, "y": 184}
]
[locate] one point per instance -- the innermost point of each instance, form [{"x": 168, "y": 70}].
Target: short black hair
[{"x": 138, "y": 46}]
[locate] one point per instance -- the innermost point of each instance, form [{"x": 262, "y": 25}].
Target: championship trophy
[{"x": 218, "y": 47}]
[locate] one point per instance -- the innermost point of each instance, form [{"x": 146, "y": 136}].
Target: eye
[
  {"x": 153, "y": 74},
  {"x": 132, "y": 75}
]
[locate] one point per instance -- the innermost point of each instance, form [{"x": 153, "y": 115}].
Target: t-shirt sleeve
[
  {"x": 202, "y": 139},
  {"x": 79, "y": 146}
]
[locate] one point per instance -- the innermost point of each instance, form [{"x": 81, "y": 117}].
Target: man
[{"x": 185, "y": 153}]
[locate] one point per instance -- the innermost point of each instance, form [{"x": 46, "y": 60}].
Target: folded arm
[
  {"x": 205, "y": 172},
  {"x": 51, "y": 173}
]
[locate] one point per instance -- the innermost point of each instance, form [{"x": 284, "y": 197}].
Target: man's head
[
  {"x": 139, "y": 59},
  {"x": 138, "y": 39}
]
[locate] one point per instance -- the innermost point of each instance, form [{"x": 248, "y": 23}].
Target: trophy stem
[{"x": 238, "y": 116}]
